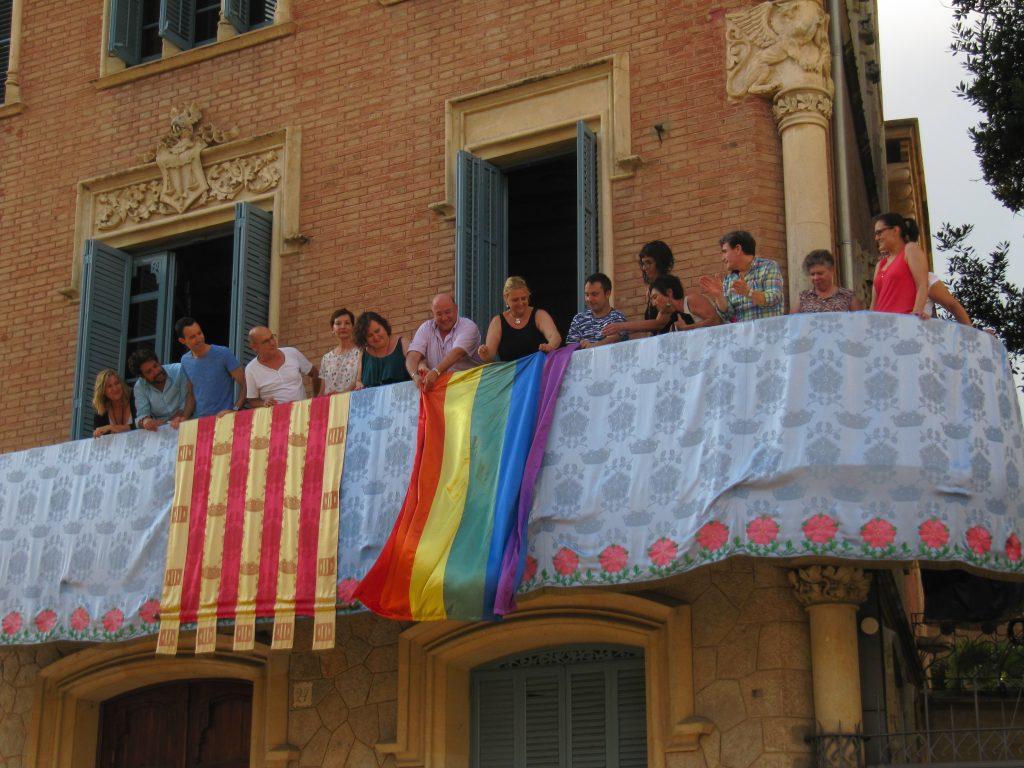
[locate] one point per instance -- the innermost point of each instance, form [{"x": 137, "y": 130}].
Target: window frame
[
  {"x": 115, "y": 72},
  {"x": 435, "y": 659},
  {"x": 64, "y": 722}
]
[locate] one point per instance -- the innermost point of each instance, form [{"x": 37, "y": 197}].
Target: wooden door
[{"x": 186, "y": 724}]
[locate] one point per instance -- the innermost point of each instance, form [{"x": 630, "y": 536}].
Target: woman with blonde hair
[
  {"x": 521, "y": 329},
  {"x": 112, "y": 402}
]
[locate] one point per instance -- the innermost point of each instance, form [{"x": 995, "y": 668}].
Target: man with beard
[{"x": 163, "y": 393}]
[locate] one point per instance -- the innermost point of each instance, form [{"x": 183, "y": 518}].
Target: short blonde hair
[
  {"x": 514, "y": 283},
  {"x": 99, "y": 398}
]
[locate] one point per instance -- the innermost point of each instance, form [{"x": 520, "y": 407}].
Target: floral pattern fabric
[
  {"x": 338, "y": 371},
  {"x": 861, "y": 436}
]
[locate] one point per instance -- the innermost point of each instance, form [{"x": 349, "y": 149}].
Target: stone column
[
  {"x": 831, "y": 594},
  {"x": 779, "y": 50},
  {"x": 12, "y": 88}
]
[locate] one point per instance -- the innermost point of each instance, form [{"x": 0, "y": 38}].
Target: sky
[{"x": 919, "y": 74}]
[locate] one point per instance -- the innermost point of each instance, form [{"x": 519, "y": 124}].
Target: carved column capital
[
  {"x": 829, "y": 584},
  {"x": 802, "y": 105},
  {"x": 779, "y": 48}
]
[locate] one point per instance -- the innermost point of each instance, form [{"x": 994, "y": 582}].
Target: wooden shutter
[
  {"x": 480, "y": 242},
  {"x": 543, "y": 717},
  {"x": 250, "y": 279},
  {"x": 587, "y": 229},
  {"x": 493, "y": 741},
  {"x": 237, "y": 12},
  {"x": 102, "y": 318},
  {"x": 178, "y": 22},
  {"x": 631, "y": 716},
  {"x": 124, "y": 35},
  {"x": 588, "y": 707},
  {"x": 561, "y": 708}
]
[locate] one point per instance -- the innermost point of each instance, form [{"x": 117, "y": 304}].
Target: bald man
[
  {"x": 444, "y": 343},
  {"x": 275, "y": 374}
]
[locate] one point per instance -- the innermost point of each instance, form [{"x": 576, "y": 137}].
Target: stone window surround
[
  {"x": 12, "y": 104},
  {"x": 282, "y": 200},
  {"x": 64, "y": 724},
  {"x": 435, "y": 660},
  {"x": 522, "y": 120},
  {"x": 113, "y": 71}
]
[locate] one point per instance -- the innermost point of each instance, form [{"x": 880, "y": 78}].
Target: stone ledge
[
  {"x": 11, "y": 109},
  {"x": 195, "y": 55}
]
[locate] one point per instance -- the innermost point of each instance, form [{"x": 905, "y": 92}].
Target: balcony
[{"x": 865, "y": 437}]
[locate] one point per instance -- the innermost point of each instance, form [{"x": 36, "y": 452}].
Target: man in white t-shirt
[{"x": 275, "y": 374}]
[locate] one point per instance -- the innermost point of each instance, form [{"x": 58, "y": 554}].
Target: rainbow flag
[
  {"x": 451, "y": 544},
  {"x": 254, "y": 524}
]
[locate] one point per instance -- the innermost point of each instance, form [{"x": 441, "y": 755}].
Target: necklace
[{"x": 517, "y": 320}]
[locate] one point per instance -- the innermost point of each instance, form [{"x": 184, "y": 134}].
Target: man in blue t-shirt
[{"x": 213, "y": 370}]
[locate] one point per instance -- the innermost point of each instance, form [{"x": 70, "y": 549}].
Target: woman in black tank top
[{"x": 521, "y": 329}]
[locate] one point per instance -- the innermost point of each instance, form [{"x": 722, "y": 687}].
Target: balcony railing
[
  {"x": 1001, "y": 746},
  {"x": 862, "y": 436}
]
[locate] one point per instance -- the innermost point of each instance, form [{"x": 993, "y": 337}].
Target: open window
[
  {"x": 137, "y": 28},
  {"x": 537, "y": 219},
  {"x": 131, "y": 300}
]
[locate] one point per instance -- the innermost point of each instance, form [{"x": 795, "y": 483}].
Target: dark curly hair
[
  {"x": 363, "y": 326},
  {"x": 658, "y": 252}
]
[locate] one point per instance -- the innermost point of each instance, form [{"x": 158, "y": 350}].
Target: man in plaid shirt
[{"x": 753, "y": 288}]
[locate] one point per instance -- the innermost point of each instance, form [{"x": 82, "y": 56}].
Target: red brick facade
[{"x": 367, "y": 84}]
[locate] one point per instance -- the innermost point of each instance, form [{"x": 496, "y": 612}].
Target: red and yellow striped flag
[{"x": 254, "y": 524}]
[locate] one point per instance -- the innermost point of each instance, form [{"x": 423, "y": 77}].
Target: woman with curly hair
[{"x": 113, "y": 404}]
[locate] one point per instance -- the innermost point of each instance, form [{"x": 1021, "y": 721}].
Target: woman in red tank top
[{"x": 901, "y": 277}]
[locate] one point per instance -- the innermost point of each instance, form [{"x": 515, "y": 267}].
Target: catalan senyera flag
[
  {"x": 449, "y": 547},
  {"x": 254, "y": 523}
]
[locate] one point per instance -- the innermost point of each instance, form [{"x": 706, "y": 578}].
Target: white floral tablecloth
[{"x": 863, "y": 436}]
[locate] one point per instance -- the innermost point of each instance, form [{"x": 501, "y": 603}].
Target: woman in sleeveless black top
[{"x": 520, "y": 330}]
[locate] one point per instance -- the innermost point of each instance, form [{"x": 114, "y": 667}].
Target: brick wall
[{"x": 367, "y": 84}]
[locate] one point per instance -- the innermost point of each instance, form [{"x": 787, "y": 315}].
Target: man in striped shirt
[
  {"x": 753, "y": 288},
  {"x": 587, "y": 326}
]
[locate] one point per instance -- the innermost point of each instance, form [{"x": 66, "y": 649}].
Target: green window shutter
[
  {"x": 237, "y": 12},
  {"x": 124, "y": 36},
  {"x": 543, "y": 718},
  {"x": 6, "y": 10},
  {"x": 102, "y": 316},
  {"x": 480, "y": 242},
  {"x": 631, "y": 716},
  {"x": 568, "y": 707},
  {"x": 492, "y": 735},
  {"x": 588, "y": 715},
  {"x": 178, "y": 22},
  {"x": 250, "y": 279},
  {"x": 587, "y": 227}
]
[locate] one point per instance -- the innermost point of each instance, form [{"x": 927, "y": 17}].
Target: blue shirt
[
  {"x": 162, "y": 403},
  {"x": 212, "y": 385}
]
